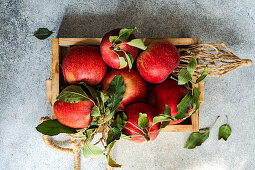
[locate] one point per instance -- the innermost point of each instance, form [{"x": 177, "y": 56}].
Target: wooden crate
[{"x": 60, "y": 46}]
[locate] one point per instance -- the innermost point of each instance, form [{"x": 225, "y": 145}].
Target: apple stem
[
  {"x": 215, "y": 121},
  {"x": 146, "y": 136},
  {"x": 227, "y": 119}
]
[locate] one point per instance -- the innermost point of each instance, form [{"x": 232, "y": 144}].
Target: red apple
[
  {"x": 109, "y": 56},
  {"x": 170, "y": 93},
  {"x": 157, "y": 62},
  {"x": 135, "y": 86},
  {"x": 74, "y": 115},
  {"x": 132, "y": 112},
  {"x": 84, "y": 64}
]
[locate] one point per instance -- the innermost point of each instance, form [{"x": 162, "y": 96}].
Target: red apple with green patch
[
  {"x": 135, "y": 87},
  {"x": 167, "y": 93},
  {"x": 157, "y": 62},
  {"x": 139, "y": 135},
  {"x": 84, "y": 64},
  {"x": 113, "y": 52},
  {"x": 73, "y": 115}
]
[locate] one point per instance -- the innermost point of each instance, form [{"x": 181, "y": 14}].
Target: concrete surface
[{"x": 25, "y": 64}]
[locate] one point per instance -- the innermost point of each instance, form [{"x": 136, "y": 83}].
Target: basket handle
[{"x": 75, "y": 146}]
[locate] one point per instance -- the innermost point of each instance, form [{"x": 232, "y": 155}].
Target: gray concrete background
[{"x": 25, "y": 65}]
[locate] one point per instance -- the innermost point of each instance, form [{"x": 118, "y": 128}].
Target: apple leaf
[
  {"x": 42, "y": 33},
  {"x": 91, "y": 90},
  {"x": 73, "y": 94},
  {"x": 93, "y": 125},
  {"x": 137, "y": 43},
  {"x": 53, "y": 127},
  {"x": 95, "y": 112},
  {"x": 203, "y": 75},
  {"x": 89, "y": 130},
  {"x": 113, "y": 134},
  {"x": 167, "y": 111},
  {"x": 196, "y": 95},
  {"x": 123, "y": 62},
  {"x": 143, "y": 121},
  {"x": 130, "y": 60},
  {"x": 197, "y": 138},
  {"x": 125, "y": 33},
  {"x": 224, "y": 132},
  {"x": 192, "y": 65},
  {"x": 184, "y": 106},
  {"x": 111, "y": 162},
  {"x": 92, "y": 151},
  {"x": 120, "y": 121},
  {"x": 104, "y": 96},
  {"x": 184, "y": 76},
  {"x": 116, "y": 91},
  {"x": 164, "y": 118},
  {"x": 113, "y": 38}
]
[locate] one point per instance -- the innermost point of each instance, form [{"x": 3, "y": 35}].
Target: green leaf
[
  {"x": 203, "y": 75},
  {"x": 123, "y": 62},
  {"x": 184, "y": 106},
  {"x": 192, "y": 65},
  {"x": 143, "y": 121},
  {"x": 93, "y": 125},
  {"x": 167, "y": 110},
  {"x": 137, "y": 43},
  {"x": 162, "y": 118},
  {"x": 109, "y": 115},
  {"x": 130, "y": 60},
  {"x": 112, "y": 163},
  {"x": 224, "y": 132},
  {"x": 104, "y": 96},
  {"x": 184, "y": 77},
  {"x": 73, "y": 94},
  {"x": 42, "y": 33},
  {"x": 113, "y": 38},
  {"x": 53, "y": 127},
  {"x": 92, "y": 151},
  {"x": 123, "y": 116},
  {"x": 125, "y": 33},
  {"x": 196, "y": 95},
  {"x": 113, "y": 134},
  {"x": 91, "y": 90},
  {"x": 88, "y": 133},
  {"x": 95, "y": 112},
  {"x": 116, "y": 90},
  {"x": 197, "y": 138},
  {"x": 119, "y": 122},
  {"x": 90, "y": 129}
]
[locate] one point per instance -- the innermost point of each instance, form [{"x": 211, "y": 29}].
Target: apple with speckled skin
[
  {"x": 84, "y": 64},
  {"x": 138, "y": 136},
  {"x": 73, "y": 115},
  {"x": 157, "y": 62},
  {"x": 135, "y": 87},
  {"x": 109, "y": 55},
  {"x": 170, "y": 93}
]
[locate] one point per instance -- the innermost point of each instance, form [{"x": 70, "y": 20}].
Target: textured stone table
[{"x": 25, "y": 64}]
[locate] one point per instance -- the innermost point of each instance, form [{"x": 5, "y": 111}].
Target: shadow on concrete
[{"x": 168, "y": 21}]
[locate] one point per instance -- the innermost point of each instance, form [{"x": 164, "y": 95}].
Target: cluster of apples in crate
[{"x": 97, "y": 95}]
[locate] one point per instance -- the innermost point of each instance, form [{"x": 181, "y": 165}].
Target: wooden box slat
[{"x": 65, "y": 43}]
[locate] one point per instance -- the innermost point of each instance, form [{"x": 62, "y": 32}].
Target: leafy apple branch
[{"x": 124, "y": 35}]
